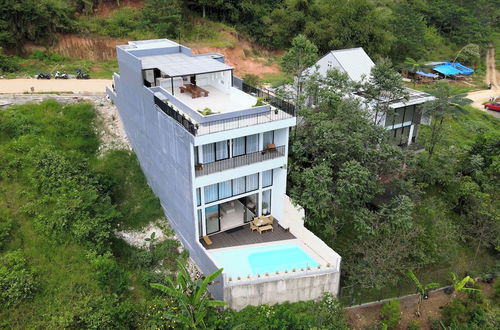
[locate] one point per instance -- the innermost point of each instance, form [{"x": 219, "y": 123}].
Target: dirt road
[
  {"x": 53, "y": 85},
  {"x": 493, "y": 77}
]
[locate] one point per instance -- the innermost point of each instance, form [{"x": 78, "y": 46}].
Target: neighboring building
[
  {"x": 406, "y": 118},
  {"x": 217, "y": 160}
]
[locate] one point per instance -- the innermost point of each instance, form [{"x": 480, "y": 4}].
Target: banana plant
[
  {"x": 193, "y": 300},
  {"x": 423, "y": 290},
  {"x": 459, "y": 285}
]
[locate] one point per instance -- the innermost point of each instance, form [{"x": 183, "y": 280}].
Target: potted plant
[{"x": 264, "y": 208}]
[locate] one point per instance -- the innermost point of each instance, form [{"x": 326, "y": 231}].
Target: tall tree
[
  {"x": 383, "y": 87},
  {"x": 446, "y": 104},
  {"x": 302, "y": 55}
]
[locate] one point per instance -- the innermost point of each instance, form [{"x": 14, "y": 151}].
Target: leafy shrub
[
  {"x": 390, "y": 314},
  {"x": 6, "y": 226},
  {"x": 69, "y": 203},
  {"x": 252, "y": 79},
  {"x": 47, "y": 57},
  {"x": 325, "y": 314},
  {"x": 8, "y": 64},
  {"x": 17, "y": 282},
  {"x": 107, "y": 273},
  {"x": 100, "y": 312},
  {"x": 466, "y": 311},
  {"x": 413, "y": 325},
  {"x": 496, "y": 288}
]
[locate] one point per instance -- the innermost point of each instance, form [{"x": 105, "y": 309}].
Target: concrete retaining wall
[{"x": 276, "y": 290}]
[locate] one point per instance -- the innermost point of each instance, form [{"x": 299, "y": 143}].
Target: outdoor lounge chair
[
  {"x": 265, "y": 228},
  {"x": 207, "y": 240},
  {"x": 270, "y": 219}
]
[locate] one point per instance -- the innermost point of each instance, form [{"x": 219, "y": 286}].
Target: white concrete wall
[{"x": 275, "y": 290}]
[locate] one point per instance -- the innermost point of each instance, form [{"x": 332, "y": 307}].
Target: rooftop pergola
[{"x": 182, "y": 65}]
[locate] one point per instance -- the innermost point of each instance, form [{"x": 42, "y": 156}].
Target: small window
[
  {"x": 268, "y": 138},
  {"x": 211, "y": 193},
  {"x": 225, "y": 189}
]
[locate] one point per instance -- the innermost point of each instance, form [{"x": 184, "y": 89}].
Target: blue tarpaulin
[
  {"x": 451, "y": 69},
  {"x": 425, "y": 74}
]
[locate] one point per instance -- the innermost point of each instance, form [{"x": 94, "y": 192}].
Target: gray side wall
[
  {"x": 279, "y": 290},
  {"x": 163, "y": 148}
]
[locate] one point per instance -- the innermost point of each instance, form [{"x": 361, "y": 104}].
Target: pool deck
[{"x": 244, "y": 236}]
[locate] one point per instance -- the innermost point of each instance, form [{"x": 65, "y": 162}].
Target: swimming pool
[{"x": 263, "y": 259}]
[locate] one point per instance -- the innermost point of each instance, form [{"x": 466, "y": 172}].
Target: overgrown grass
[
  {"x": 68, "y": 292},
  {"x": 277, "y": 79},
  {"x": 40, "y": 61}
]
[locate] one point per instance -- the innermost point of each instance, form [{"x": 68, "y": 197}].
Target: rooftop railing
[
  {"x": 247, "y": 159},
  {"x": 282, "y": 110}
]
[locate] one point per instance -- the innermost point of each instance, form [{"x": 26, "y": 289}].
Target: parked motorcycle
[
  {"x": 42, "y": 75},
  {"x": 59, "y": 75},
  {"x": 82, "y": 75}
]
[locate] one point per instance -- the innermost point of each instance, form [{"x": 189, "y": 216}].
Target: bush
[
  {"x": 47, "y": 57},
  {"x": 252, "y": 80},
  {"x": 8, "y": 64},
  {"x": 107, "y": 273},
  {"x": 460, "y": 312},
  {"x": 5, "y": 230},
  {"x": 413, "y": 325},
  {"x": 17, "y": 282},
  {"x": 390, "y": 314}
]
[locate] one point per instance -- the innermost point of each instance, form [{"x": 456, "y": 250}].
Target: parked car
[
  {"x": 82, "y": 75},
  {"x": 42, "y": 75},
  {"x": 495, "y": 106},
  {"x": 59, "y": 75}
]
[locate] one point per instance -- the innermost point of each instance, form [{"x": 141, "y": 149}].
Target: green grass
[
  {"x": 67, "y": 294},
  {"x": 36, "y": 62},
  {"x": 276, "y": 79}
]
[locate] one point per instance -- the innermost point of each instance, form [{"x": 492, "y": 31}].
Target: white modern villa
[
  {"x": 406, "y": 117},
  {"x": 216, "y": 156}
]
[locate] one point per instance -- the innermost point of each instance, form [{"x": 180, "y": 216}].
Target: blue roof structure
[
  {"x": 452, "y": 69},
  {"x": 426, "y": 74}
]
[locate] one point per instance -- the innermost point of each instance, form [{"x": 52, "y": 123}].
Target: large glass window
[
  {"x": 200, "y": 224},
  {"x": 209, "y": 153},
  {"x": 212, "y": 219},
  {"x": 252, "y": 182},
  {"x": 239, "y": 186},
  {"x": 268, "y": 138},
  {"x": 222, "y": 150},
  {"x": 252, "y": 143},
  {"x": 266, "y": 202},
  {"x": 267, "y": 178},
  {"x": 225, "y": 190},
  {"x": 211, "y": 193},
  {"x": 238, "y": 146},
  {"x": 198, "y": 196}
]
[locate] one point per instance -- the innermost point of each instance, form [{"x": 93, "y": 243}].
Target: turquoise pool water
[{"x": 263, "y": 259}]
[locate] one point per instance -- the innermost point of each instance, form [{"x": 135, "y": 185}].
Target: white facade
[{"x": 214, "y": 156}]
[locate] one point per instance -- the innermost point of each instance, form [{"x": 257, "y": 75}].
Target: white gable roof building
[{"x": 353, "y": 61}]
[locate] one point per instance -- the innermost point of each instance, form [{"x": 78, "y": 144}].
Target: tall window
[
  {"x": 268, "y": 138},
  {"x": 266, "y": 202},
  {"x": 238, "y": 146},
  {"x": 209, "y": 153},
  {"x": 252, "y": 182},
  {"x": 252, "y": 143},
  {"x": 225, "y": 189},
  {"x": 198, "y": 196},
  {"x": 215, "y": 151},
  {"x": 211, "y": 193},
  {"x": 239, "y": 186},
  {"x": 267, "y": 178},
  {"x": 222, "y": 150}
]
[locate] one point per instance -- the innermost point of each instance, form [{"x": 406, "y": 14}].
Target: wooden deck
[{"x": 243, "y": 235}]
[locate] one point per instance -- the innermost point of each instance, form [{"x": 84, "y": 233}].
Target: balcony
[{"x": 247, "y": 159}]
